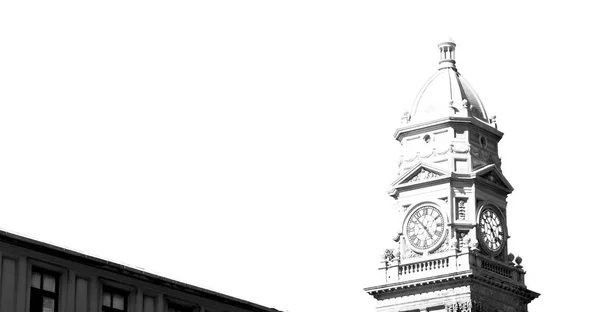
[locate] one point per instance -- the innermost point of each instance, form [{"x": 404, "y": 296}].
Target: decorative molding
[
  {"x": 460, "y": 148},
  {"x": 424, "y": 296},
  {"x": 492, "y": 174},
  {"x": 484, "y": 156},
  {"x": 466, "y": 241},
  {"x": 477, "y": 153},
  {"x": 388, "y": 255},
  {"x": 409, "y": 253},
  {"x": 465, "y": 306},
  {"x": 463, "y": 239},
  {"x": 452, "y": 307},
  {"x": 423, "y": 175},
  {"x": 444, "y": 246},
  {"x": 469, "y": 306},
  {"x": 453, "y": 243},
  {"x": 418, "y": 156},
  {"x": 397, "y": 253},
  {"x": 461, "y": 208},
  {"x": 494, "y": 179},
  {"x": 405, "y": 292},
  {"x": 417, "y": 173}
]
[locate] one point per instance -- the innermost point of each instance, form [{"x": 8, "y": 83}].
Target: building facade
[
  {"x": 452, "y": 249},
  {"x": 39, "y": 277}
]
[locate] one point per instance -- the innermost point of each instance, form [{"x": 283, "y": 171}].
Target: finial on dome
[{"x": 447, "y": 53}]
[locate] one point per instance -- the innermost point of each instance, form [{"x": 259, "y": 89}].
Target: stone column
[
  {"x": 139, "y": 300},
  {"x": 71, "y": 280},
  {"x": 160, "y": 303},
  {"x": 21, "y": 284},
  {"x": 94, "y": 292}
]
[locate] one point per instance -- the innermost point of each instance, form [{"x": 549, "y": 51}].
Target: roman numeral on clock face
[
  {"x": 425, "y": 227},
  {"x": 491, "y": 231}
]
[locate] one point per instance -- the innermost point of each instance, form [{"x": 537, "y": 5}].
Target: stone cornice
[
  {"x": 405, "y": 130},
  {"x": 468, "y": 277},
  {"x": 522, "y": 291},
  {"x": 399, "y": 286}
]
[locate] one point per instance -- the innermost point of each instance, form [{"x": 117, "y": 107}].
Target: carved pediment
[
  {"x": 493, "y": 178},
  {"x": 421, "y": 172},
  {"x": 422, "y": 175},
  {"x": 493, "y": 175}
]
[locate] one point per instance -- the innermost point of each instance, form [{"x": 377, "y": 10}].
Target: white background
[{"x": 246, "y": 146}]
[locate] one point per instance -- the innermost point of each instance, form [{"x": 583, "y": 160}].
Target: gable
[
  {"x": 493, "y": 175},
  {"x": 420, "y": 172},
  {"x": 421, "y": 175}
]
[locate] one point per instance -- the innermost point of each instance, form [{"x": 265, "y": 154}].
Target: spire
[{"x": 447, "y": 53}]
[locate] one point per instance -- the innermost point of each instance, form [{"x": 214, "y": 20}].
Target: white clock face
[
  {"x": 490, "y": 230},
  {"x": 425, "y": 227}
]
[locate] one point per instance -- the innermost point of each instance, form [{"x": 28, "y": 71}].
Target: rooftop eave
[
  {"x": 399, "y": 286},
  {"x": 467, "y": 276},
  {"x": 78, "y": 257},
  {"x": 397, "y": 189},
  {"x": 403, "y": 131}
]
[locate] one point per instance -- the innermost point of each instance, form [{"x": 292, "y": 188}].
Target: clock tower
[{"x": 451, "y": 248}]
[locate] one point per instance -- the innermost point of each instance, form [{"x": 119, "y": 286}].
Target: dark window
[
  {"x": 113, "y": 300},
  {"x": 44, "y": 291},
  {"x": 178, "y": 308}
]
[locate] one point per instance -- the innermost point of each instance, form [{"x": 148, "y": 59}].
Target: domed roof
[{"x": 447, "y": 93}]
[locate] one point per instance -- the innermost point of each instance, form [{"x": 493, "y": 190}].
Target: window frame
[
  {"x": 180, "y": 306},
  {"x": 40, "y": 293},
  {"x": 113, "y": 291}
]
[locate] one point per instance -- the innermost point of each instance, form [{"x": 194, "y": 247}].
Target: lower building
[{"x": 39, "y": 277}]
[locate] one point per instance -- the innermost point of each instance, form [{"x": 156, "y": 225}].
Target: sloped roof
[{"x": 60, "y": 252}]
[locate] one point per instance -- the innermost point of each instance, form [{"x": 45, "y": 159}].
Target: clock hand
[
  {"x": 491, "y": 229},
  {"x": 418, "y": 229},
  {"x": 495, "y": 237},
  {"x": 425, "y": 228}
]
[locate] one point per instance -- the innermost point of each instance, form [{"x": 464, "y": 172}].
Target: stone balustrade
[
  {"x": 449, "y": 262},
  {"x": 496, "y": 268},
  {"x": 435, "y": 264}
]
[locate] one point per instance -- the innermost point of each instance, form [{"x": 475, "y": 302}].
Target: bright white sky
[{"x": 246, "y": 146}]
